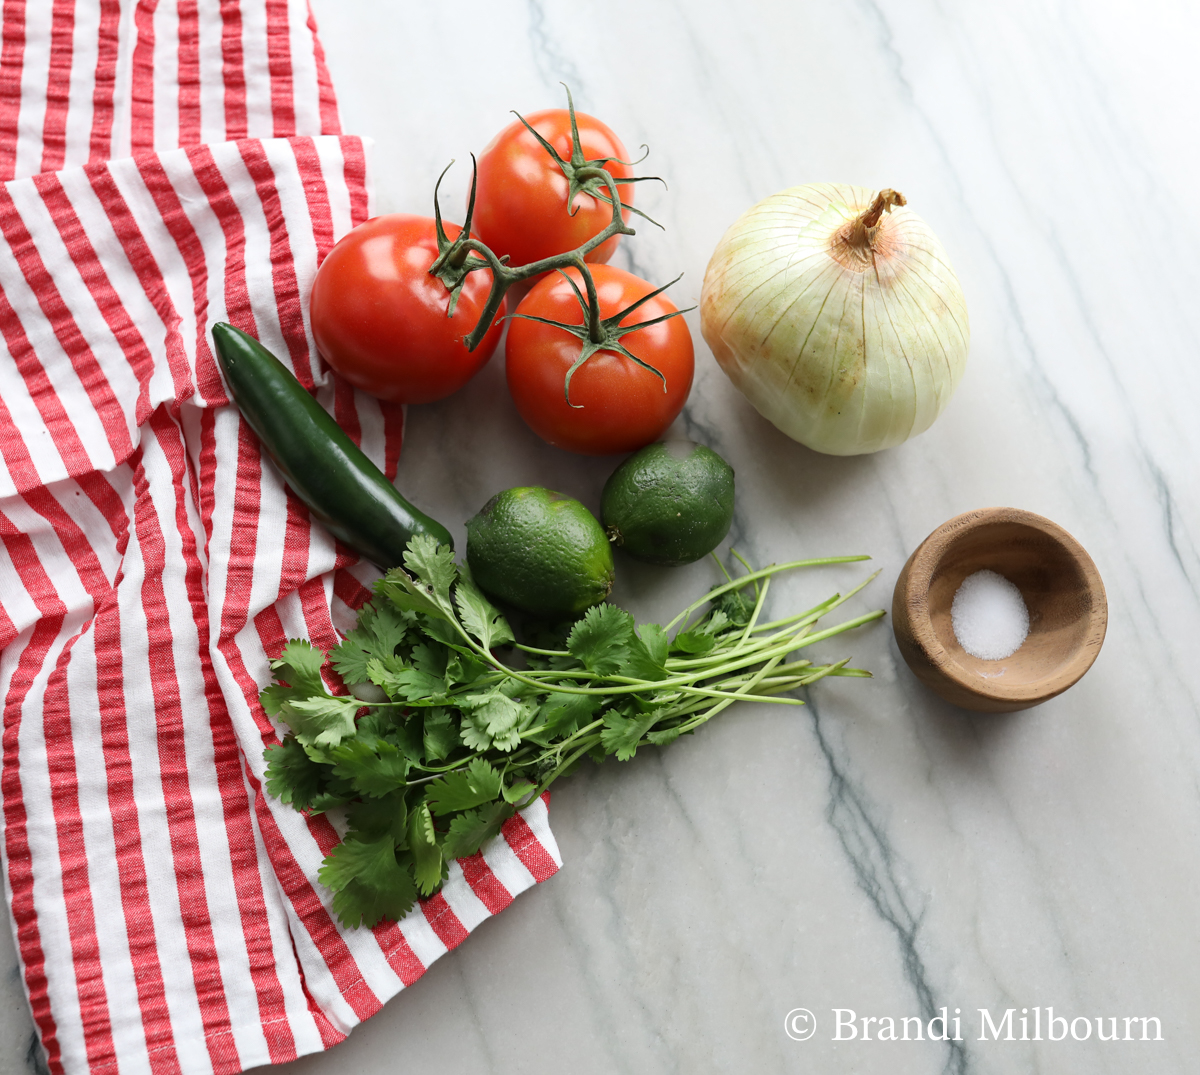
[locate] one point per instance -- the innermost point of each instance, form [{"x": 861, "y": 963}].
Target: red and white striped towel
[{"x": 166, "y": 908}]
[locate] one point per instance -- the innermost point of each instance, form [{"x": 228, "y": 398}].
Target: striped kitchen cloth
[{"x": 173, "y": 164}]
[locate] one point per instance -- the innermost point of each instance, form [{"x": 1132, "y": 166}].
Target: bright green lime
[
  {"x": 540, "y": 551},
  {"x": 671, "y": 503}
]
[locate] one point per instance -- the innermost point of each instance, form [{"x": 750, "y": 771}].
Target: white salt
[{"x": 989, "y": 616}]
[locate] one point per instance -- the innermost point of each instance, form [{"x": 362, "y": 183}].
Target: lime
[
  {"x": 671, "y": 503},
  {"x": 539, "y": 551}
]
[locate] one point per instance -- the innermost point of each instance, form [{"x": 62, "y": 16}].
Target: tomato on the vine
[
  {"x": 615, "y": 404},
  {"x": 381, "y": 320},
  {"x": 521, "y": 192}
]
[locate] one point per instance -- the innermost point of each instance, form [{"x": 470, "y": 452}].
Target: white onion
[{"x": 842, "y": 323}]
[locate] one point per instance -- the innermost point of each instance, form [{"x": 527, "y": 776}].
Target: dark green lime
[
  {"x": 539, "y": 551},
  {"x": 671, "y": 503}
]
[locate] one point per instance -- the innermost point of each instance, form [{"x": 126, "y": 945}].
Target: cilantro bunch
[{"x": 441, "y": 741}]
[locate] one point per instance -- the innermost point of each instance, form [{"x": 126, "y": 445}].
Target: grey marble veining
[{"x": 879, "y": 850}]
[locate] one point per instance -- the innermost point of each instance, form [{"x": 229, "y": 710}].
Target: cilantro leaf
[
  {"x": 473, "y": 732},
  {"x": 409, "y": 736},
  {"x": 274, "y": 697},
  {"x": 408, "y": 596},
  {"x": 428, "y": 687},
  {"x": 322, "y": 721},
  {"x": 354, "y": 858},
  {"x": 432, "y": 564},
  {"x": 702, "y": 639},
  {"x": 374, "y": 769},
  {"x": 430, "y": 659},
  {"x": 562, "y": 715},
  {"x": 332, "y": 796},
  {"x": 598, "y": 641},
  {"x": 440, "y": 736},
  {"x": 461, "y": 790},
  {"x": 443, "y": 631},
  {"x": 373, "y": 819},
  {"x": 300, "y": 665},
  {"x": 694, "y": 643},
  {"x": 368, "y": 882},
  {"x": 717, "y": 620},
  {"x": 470, "y": 831},
  {"x": 622, "y": 734},
  {"x": 493, "y": 717},
  {"x": 381, "y": 629},
  {"x": 363, "y": 905},
  {"x": 378, "y": 723},
  {"x": 292, "y": 777},
  {"x": 408, "y": 684},
  {"x": 647, "y": 653},
  {"x": 660, "y": 737},
  {"x": 736, "y": 606},
  {"x": 480, "y": 617},
  {"x": 465, "y": 668},
  {"x": 654, "y": 638},
  {"x": 428, "y": 865},
  {"x": 519, "y": 791},
  {"x": 298, "y": 671},
  {"x": 455, "y": 670}
]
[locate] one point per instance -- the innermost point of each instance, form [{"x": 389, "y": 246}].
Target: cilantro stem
[
  {"x": 636, "y": 686},
  {"x": 787, "y": 669},
  {"x": 564, "y": 765},
  {"x": 741, "y": 582},
  {"x": 708, "y": 693},
  {"x": 758, "y": 607},
  {"x": 799, "y": 619},
  {"x": 640, "y": 685},
  {"x": 723, "y": 652},
  {"x": 557, "y": 751},
  {"x": 493, "y": 707},
  {"x": 724, "y": 569},
  {"x": 695, "y": 722},
  {"x": 790, "y": 643},
  {"x": 849, "y": 625},
  {"x": 437, "y": 770},
  {"x": 742, "y": 560},
  {"x": 816, "y": 612},
  {"x": 827, "y": 671},
  {"x": 542, "y": 652}
]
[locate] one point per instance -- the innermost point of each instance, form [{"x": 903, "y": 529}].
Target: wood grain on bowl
[{"x": 1068, "y": 610}]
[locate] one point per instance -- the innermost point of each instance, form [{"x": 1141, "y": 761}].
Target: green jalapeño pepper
[{"x": 342, "y": 488}]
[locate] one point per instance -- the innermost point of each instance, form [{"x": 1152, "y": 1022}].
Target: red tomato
[
  {"x": 617, "y": 405},
  {"x": 521, "y": 193},
  {"x": 380, "y": 319}
]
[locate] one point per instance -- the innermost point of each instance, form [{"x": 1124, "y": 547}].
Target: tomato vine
[{"x": 463, "y": 255}]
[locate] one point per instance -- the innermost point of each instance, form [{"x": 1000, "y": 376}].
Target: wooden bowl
[{"x": 1068, "y": 612}]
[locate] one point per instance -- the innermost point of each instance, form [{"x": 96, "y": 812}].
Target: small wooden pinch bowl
[{"x": 1068, "y": 611}]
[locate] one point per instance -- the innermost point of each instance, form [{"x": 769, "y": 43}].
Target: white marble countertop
[{"x": 880, "y": 850}]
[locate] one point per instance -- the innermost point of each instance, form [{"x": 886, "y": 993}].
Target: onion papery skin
[{"x": 847, "y": 347}]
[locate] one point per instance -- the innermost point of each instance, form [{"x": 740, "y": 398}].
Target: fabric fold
[{"x": 166, "y": 908}]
